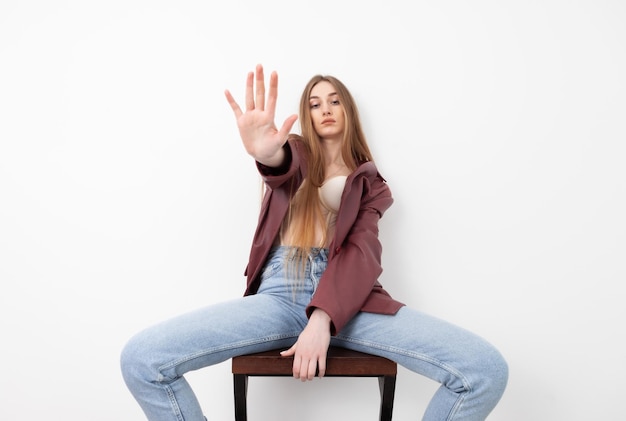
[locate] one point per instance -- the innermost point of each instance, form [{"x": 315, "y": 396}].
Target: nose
[{"x": 326, "y": 111}]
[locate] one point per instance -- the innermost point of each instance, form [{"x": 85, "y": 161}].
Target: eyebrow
[{"x": 316, "y": 97}]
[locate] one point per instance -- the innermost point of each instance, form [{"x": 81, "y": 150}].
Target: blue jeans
[{"x": 472, "y": 373}]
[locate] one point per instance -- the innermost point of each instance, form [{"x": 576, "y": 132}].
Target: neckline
[{"x": 334, "y": 177}]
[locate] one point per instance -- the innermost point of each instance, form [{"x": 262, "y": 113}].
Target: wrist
[{"x": 321, "y": 316}]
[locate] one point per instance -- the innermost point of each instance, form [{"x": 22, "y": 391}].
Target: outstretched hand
[{"x": 261, "y": 139}]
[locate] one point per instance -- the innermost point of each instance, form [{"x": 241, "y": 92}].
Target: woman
[{"x": 312, "y": 275}]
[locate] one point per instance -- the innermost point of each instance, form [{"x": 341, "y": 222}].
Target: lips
[{"x": 328, "y": 121}]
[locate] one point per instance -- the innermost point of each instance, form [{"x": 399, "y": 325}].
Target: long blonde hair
[{"x": 305, "y": 205}]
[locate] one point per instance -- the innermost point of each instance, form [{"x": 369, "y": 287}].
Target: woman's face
[{"x": 327, "y": 112}]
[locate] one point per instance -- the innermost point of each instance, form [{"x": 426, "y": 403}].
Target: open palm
[{"x": 260, "y": 136}]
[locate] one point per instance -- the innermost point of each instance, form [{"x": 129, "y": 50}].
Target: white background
[{"x": 127, "y": 198}]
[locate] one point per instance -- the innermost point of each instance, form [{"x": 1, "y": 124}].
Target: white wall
[{"x": 126, "y": 197}]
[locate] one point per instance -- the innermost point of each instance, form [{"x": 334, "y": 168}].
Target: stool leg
[
  {"x": 387, "y": 385},
  {"x": 240, "y": 382}
]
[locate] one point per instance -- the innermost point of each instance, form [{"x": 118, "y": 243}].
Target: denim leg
[
  {"x": 472, "y": 373},
  {"x": 153, "y": 362}
]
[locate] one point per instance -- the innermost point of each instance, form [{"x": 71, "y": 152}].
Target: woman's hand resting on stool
[{"x": 309, "y": 351}]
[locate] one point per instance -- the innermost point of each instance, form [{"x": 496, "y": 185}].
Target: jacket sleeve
[
  {"x": 281, "y": 183},
  {"x": 354, "y": 263},
  {"x": 291, "y": 168}
]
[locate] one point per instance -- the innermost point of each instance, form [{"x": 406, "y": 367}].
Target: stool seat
[{"x": 340, "y": 362}]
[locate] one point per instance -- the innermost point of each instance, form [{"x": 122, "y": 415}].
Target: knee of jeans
[
  {"x": 134, "y": 361},
  {"x": 497, "y": 372}
]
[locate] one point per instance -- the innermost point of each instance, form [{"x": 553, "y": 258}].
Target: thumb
[
  {"x": 288, "y": 352},
  {"x": 287, "y": 125}
]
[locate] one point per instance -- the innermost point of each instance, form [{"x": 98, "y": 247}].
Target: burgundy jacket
[{"x": 350, "y": 282}]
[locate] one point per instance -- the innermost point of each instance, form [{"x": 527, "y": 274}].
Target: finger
[
  {"x": 296, "y": 367},
  {"x": 249, "y": 95},
  {"x": 321, "y": 365},
  {"x": 311, "y": 369},
  {"x": 288, "y": 352},
  {"x": 273, "y": 93},
  {"x": 233, "y": 103},
  {"x": 287, "y": 125},
  {"x": 260, "y": 88}
]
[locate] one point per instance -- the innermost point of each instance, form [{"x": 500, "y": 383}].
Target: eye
[
  {"x": 335, "y": 102},
  {"x": 315, "y": 104}
]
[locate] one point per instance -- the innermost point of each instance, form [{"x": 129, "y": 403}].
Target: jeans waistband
[{"x": 316, "y": 253}]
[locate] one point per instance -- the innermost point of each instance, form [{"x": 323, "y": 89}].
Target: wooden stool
[{"x": 340, "y": 362}]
